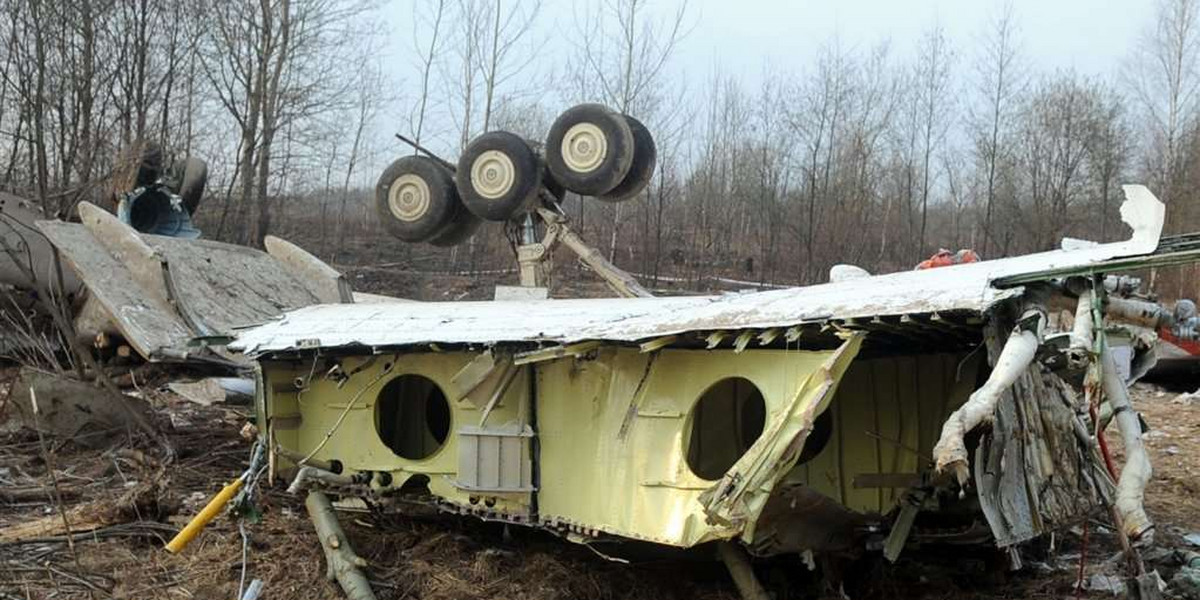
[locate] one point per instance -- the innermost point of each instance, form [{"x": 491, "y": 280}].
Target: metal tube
[
  {"x": 1135, "y": 473},
  {"x": 1016, "y": 356}
]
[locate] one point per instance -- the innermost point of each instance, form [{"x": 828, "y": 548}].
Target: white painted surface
[
  {"x": 960, "y": 287},
  {"x": 505, "y": 293}
]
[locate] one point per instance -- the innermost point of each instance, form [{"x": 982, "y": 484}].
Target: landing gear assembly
[{"x": 591, "y": 150}]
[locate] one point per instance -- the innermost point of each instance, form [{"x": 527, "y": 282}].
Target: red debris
[{"x": 946, "y": 258}]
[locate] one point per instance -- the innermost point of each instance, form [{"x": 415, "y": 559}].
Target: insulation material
[
  {"x": 950, "y": 453},
  {"x": 1135, "y": 473},
  {"x": 1033, "y": 471},
  {"x": 1032, "y": 474}
]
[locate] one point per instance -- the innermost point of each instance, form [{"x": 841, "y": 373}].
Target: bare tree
[
  {"x": 371, "y": 82},
  {"x": 934, "y": 110},
  {"x": 823, "y": 101},
  {"x": 461, "y": 78},
  {"x": 270, "y": 65},
  {"x": 621, "y": 52},
  {"x": 427, "y": 56},
  {"x": 511, "y": 25},
  {"x": 772, "y": 178},
  {"x": 1057, "y": 123},
  {"x": 1109, "y": 149},
  {"x": 998, "y": 81},
  {"x": 1164, "y": 72},
  {"x": 764, "y": 181},
  {"x": 873, "y": 112}
]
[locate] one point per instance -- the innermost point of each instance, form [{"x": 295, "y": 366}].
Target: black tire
[
  {"x": 498, "y": 175},
  {"x": 149, "y": 166},
  {"x": 587, "y": 171},
  {"x": 462, "y": 226},
  {"x": 415, "y": 198},
  {"x": 644, "y": 156},
  {"x": 552, "y": 185},
  {"x": 187, "y": 178}
]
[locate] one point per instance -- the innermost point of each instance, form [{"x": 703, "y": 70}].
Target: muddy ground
[{"x": 130, "y": 505}]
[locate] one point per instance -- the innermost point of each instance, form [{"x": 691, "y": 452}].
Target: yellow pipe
[{"x": 210, "y": 512}]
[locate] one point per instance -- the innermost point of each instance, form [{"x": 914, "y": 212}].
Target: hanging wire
[
  {"x": 245, "y": 555},
  {"x": 243, "y": 504},
  {"x": 307, "y": 380},
  {"x": 349, "y": 405}
]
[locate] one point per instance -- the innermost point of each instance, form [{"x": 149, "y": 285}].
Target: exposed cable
[
  {"x": 245, "y": 555},
  {"x": 342, "y": 417},
  {"x": 307, "y": 381},
  {"x": 1082, "y": 562},
  {"x": 1102, "y": 442}
]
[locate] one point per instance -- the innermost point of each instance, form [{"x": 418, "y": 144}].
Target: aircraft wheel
[
  {"x": 498, "y": 175},
  {"x": 642, "y": 168},
  {"x": 590, "y": 149},
  {"x": 416, "y": 198}
]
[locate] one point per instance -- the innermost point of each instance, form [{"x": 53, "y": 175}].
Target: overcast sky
[
  {"x": 743, "y": 37},
  {"x": 1092, "y": 35}
]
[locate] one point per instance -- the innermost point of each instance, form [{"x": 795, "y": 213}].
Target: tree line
[{"x": 874, "y": 155}]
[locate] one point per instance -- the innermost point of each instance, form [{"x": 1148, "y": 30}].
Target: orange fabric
[{"x": 945, "y": 258}]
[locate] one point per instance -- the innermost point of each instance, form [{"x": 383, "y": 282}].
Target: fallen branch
[
  {"x": 85, "y": 517},
  {"x": 33, "y": 493},
  {"x": 133, "y": 529},
  {"x": 741, "y": 572},
  {"x": 342, "y": 564}
]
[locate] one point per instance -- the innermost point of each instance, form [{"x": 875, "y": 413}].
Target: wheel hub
[
  {"x": 584, "y": 147},
  {"x": 409, "y": 197},
  {"x": 493, "y": 174}
]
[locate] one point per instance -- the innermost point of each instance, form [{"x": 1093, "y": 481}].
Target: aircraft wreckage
[
  {"x": 861, "y": 415},
  {"x": 858, "y": 415},
  {"x": 816, "y": 418}
]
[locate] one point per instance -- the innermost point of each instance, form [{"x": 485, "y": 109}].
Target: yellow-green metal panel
[
  {"x": 614, "y": 429},
  {"x": 887, "y": 414},
  {"x": 356, "y": 442},
  {"x": 613, "y": 433}
]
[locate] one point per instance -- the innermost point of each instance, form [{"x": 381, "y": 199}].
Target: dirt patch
[{"x": 1173, "y": 442}]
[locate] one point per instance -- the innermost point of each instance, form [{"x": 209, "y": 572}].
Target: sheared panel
[
  {"x": 614, "y": 458},
  {"x": 147, "y": 323},
  {"x": 222, "y": 286}
]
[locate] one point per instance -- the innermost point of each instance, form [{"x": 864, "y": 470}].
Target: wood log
[
  {"x": 738, "y": 563},
  {"x": 342, "y": 564},
  {"x": 34, "y": 493}
]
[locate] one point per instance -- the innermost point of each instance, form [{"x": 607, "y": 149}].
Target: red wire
[
  {"x": 1108, "y": 460},
  {"x": 1103, "y": 443},
  {"x": 1112, "y": 470}
]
